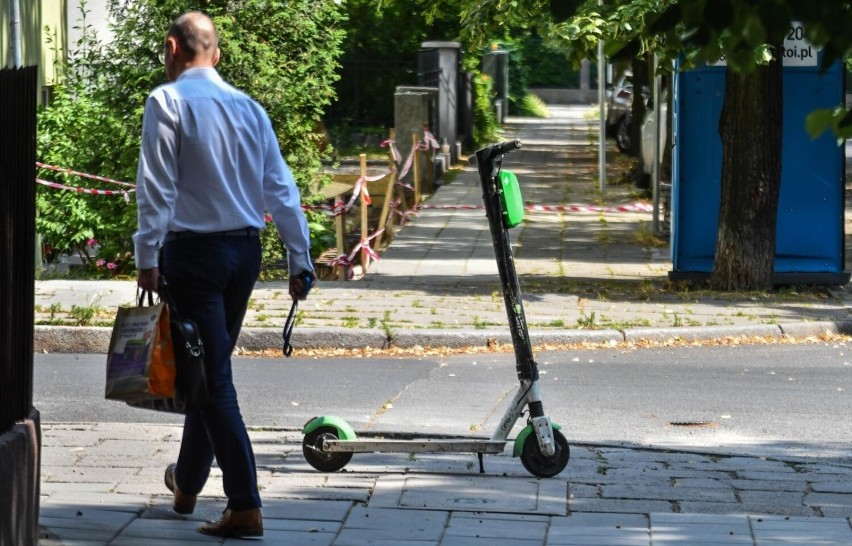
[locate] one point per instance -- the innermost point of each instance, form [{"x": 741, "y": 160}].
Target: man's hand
[
  {"x": 298, "y": 289},
  {"x": 147, "y": 278}
]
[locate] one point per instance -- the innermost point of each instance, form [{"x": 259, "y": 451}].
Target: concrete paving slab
[
  {"x": 775, "y": 502},
  {"x": 456, "y": 540},
  {"x": 96, "y": 523},
  {"x": 368, "y": 537},
  {"x": 402, "y": 525},
  {"x": 473, "y": 494},
  {"x": 166, "y": 530},
  {"x": 836, "y": 503},
  {"x": 294, "y": 538},
  {"x": 72, "y": 542},
  {"x": 659, "y": 492},
  {"x": 506, "y": 529},
  {"x": 621, "y": 506},
  {"x": 100, "y": 501}
]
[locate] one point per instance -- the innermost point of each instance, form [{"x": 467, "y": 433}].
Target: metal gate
[{"x": 17, "y": 242}]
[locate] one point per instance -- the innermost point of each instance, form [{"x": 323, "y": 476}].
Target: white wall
[{"x": 97, "y": 17}]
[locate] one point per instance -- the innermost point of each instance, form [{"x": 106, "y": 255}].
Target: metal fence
[
  {"x": 429, "y": 68},
  {"x": 366, "y": 88},
  {"x": 17, "y": 242}
]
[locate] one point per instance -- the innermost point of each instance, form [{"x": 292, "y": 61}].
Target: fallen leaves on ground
[{"x": 500, "y": 348}]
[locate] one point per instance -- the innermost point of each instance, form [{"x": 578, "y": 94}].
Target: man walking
[{"x": 209, "y": 168}]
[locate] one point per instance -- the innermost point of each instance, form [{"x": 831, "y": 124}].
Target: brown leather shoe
[
  {"x": 236, "y": 524},
  {"x": 184, "y": 504}
]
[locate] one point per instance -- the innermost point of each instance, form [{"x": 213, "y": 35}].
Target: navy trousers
[{"x": 211, "y": 280}]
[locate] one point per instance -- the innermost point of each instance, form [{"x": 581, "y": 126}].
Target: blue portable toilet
[{"x": 810, "y": 246}]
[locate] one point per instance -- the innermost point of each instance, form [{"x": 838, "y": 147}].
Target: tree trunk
[{"x": 751, "y": 131}]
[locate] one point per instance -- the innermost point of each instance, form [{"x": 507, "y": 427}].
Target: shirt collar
[{"x": 199, "y": 73}]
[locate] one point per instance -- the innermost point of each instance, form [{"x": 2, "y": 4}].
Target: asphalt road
[{"x": 777, "y": 400}]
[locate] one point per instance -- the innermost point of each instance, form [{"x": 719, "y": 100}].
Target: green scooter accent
[
  {"x": 510, "y": 197},
  {"x": 344, "y": 429},
  {"x": 522, "y": 437}
]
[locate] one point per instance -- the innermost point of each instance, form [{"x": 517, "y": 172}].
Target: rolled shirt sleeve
[
  {"x": 282, "y": 201},
  {"x": 156, "y": 179}
]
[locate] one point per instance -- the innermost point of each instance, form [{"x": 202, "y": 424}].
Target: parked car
[
  {"x": 646, "y": 146},
  {"x": 618, "y": 117}
]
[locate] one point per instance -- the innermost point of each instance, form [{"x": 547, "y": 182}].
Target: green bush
[
  {"x": 485, "y": 126},
  {"x": 532, "y": 106},
  {"x": 283, "y": 53},
  {"x": 79, "y": 130},
  {"x": 547, "y": 67}
]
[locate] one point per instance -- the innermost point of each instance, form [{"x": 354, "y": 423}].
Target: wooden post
[
  {"x": 338, "y": 229},
  {"x": 415, "y": 167},
  {"x": 430, "y": 165},
  {"x": 383, "y": 218},
  {"x": 365, "y": 259}
]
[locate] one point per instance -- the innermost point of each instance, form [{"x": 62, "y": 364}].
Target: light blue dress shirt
[{"x": 210, "y": 162}]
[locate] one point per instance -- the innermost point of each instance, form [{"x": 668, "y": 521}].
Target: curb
[{"x": 95, "y": 340}]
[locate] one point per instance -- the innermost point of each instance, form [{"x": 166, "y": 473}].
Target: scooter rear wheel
[
  {"x": 541, "y": 465},
  {"x": 317, "y": 457}
]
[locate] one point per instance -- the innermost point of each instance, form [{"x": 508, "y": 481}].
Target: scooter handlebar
[
  {"x": 491, "y": 152},
  {"x": 508, "y": 146}
]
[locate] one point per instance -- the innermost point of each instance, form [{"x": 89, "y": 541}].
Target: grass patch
[
  {"x": 532, "y": 106},
  {"x": 644, "y": 236}
]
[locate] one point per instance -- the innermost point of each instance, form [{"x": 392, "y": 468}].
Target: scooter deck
[{"x": 413, "y": 446}]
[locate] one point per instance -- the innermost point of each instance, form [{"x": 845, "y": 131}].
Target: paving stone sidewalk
[
  {"x": 102, "y": 484},
  {"x": 584, "y": 278}
]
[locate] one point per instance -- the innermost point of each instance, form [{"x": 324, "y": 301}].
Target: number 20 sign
[{"x": 797, "y": 51}]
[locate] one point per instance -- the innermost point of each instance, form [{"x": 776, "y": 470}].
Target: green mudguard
[
  {"x": 522, "y": 437},
  {"x": 344, "y": 430}
]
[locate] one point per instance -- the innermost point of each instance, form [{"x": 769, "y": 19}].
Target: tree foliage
[
  {"x": 283, "y": 53},
  {"x": 381, "y": 48},
  {"x": 748, "y": 34}
]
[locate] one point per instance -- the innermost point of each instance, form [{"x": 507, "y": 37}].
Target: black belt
[{"x": 243, "y": 232}]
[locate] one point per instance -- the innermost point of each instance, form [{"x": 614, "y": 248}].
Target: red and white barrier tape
[
  {"x": 635, "y": 207},
  {"x": 83, "y": 175},
  {"x": 361, "y": 187},
  {"x": 404, "y": 216},
  {"x": 397, "y": 157},
  {"x": 430, "y": 140},
  {"x": 362, "y": 246},
  {"x": 90, "y": 191}
]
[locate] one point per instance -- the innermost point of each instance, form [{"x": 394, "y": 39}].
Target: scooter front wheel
[
  {"x": 541, "y": 465},
  {"x": 319, "y": 458}
]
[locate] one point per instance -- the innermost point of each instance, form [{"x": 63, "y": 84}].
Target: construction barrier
[{"x": 402, "y": 202}]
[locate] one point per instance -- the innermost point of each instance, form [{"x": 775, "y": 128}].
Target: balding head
[
  {"x": 191, "y": 42},
  {"x": 196, "y": 35}
]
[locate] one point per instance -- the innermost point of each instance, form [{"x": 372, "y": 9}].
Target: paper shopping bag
[
  {"x": 190, "y": 385},
  {"x": 141, "y": 358}
]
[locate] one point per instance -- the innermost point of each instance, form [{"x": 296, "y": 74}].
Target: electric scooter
[{"x": 329, "y": 442}]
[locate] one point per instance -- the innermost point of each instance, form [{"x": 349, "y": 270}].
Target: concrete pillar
[
  {"x": 20, "y": 474},
  {"x": 449, "y": 56},
  {"x": 496, "y": 65},
  {"x": 585, "y": 80},
  {"x": 466, "y": 111},
  {"x": 414, "y": 107}
]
